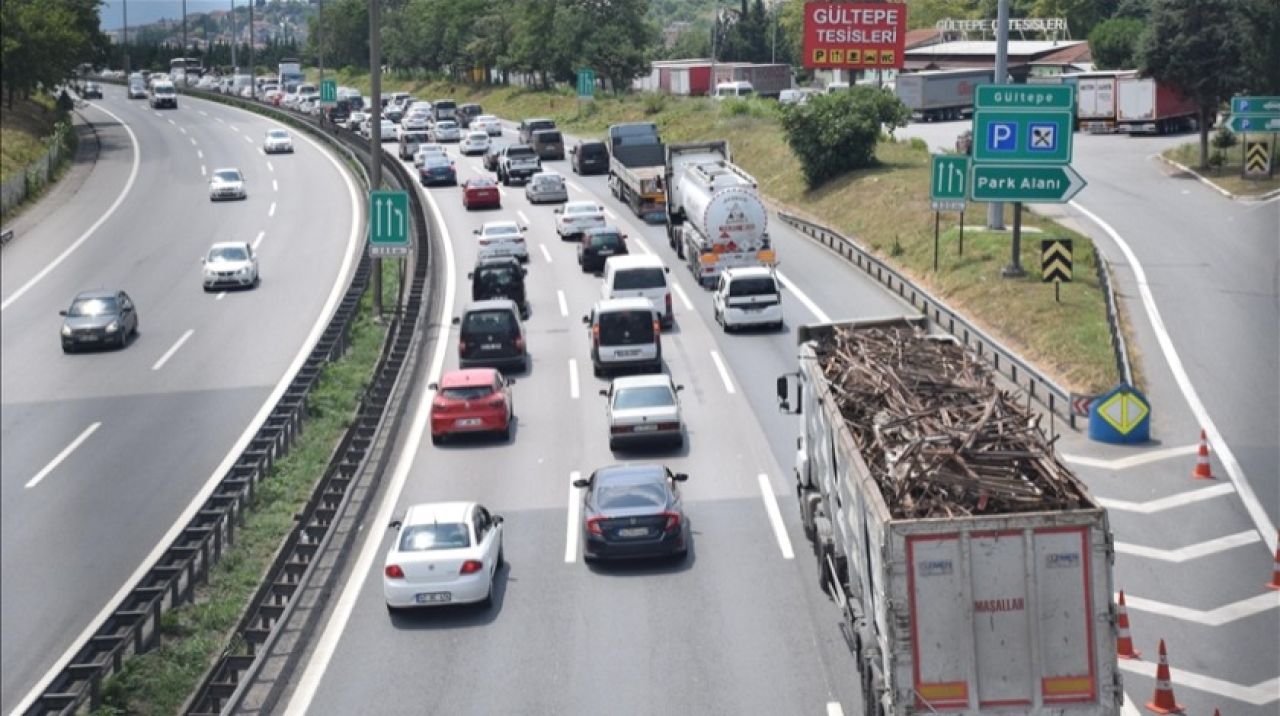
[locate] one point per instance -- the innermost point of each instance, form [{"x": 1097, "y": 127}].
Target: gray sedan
[
  {"x": 546, "y": 187},
  {"x": 98, "y": 318}
]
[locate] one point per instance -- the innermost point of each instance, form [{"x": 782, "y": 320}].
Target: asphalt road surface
[{"x": 103, "y": 451}]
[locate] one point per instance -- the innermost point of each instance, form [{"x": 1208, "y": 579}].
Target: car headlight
[
  {"x": 112, "y": 327},
  {"x": 245, "y": 270},
  {"x": 66, "y": 330}
]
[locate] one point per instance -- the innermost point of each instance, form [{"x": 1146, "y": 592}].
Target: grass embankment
[
  {"x": 1227, "y": 176},
  {"x": 885, "y": 207},
  {"x": 194, "y": 635},
  {"x": 24, "y": 132}
]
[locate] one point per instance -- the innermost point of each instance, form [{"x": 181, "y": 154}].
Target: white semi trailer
[
  {"x": 968, "y": 612},
  {"x": 715, "y": 218}
]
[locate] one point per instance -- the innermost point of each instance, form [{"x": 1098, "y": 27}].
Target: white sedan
[
  {"x": 429, "y": 150},
  {"x": 487, "y": 123},
  {"x": 576, "y": 217},
  {"x": 502, "y": 238},
  {"x": 277, "y": 140},
  {"x": 644, "y": 409},
  {"x": 444, "y": 553},
  {"x": 227, "y": 183},
  {"x": 446, "y": 130},
  {"x": 230, "y": 264},
  {"x": 474, "y": 143}
]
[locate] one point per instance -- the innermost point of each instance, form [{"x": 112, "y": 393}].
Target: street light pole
[
  {"x": 125, "y": 41},
  {"x": 183, "y": 54},
  {"x": 253, "y": 94},
  {"x": 234, "y": 66},
  {"x": 375, "y": 132},
  {"x": 995, "y": 210}
]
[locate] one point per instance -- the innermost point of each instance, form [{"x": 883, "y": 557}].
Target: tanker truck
[{"x": 715, "y": 218}]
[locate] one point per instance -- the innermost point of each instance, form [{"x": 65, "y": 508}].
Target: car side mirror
[
  {"x": 585, "y": 319},
  {"x": 470, "y": 274},
  {"x": 679, "y": 388},
  {"x": 680, "y": 476},
  {"x": 581, "y": 483},
  {"x": 497, "y": 519},
  {"x": 604, "y": 392},
  {"x": 524, "y": 228},
  {"x": 511, "y": 381},
  {"x": 202, "y": 259},
  {"x": 476, "y": 232},
  {"x": 433, "y": 386},
  {"x": 457, "y": 320},
  {"x": 558, "y": 211},
  {"x": 622, "y": 236},
  {"x": 62, "y": 313},
  {"x": 666, "y": 269},
  {"x": 394, "y": 524}
]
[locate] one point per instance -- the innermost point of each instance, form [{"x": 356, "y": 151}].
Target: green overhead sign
[
  {"x": 388, "y": 223},
  {"x": 1019, "y": 182},
  {"x": 1255, "y": 105}
]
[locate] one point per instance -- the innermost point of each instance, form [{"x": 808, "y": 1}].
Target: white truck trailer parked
[
  {"x": 715, "y": 218},
  {"x": 972, "y": 567}
]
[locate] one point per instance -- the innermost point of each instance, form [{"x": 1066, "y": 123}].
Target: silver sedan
[
  {"x": 546, "y": 187},
  {"x": 644, "y": 409}
]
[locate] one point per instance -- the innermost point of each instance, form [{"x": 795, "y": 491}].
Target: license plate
[
  {"x": 633, "y": 531},
  {"x": 627, "y": 353},
  {"x": 87, "y": 338},
  {"x": 467, "y": 422},
  {"x": 644, "y": 428},
  {"x": 433, "y": 597},
  {"x": 605, "y": 252},
  {"x": 490, "y": 346}
]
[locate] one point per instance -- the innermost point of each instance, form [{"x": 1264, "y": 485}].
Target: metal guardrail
[
  {"x": 6, "y": 236},
  {"x": 134, "y": 625},
  {"x": 1119, "y": 347},
  {"x": 1005, "y": 362}
]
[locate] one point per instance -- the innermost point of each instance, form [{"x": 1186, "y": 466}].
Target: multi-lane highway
[{"x": 105, "y": 451}]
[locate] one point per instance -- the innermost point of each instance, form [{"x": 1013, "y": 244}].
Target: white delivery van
[
  {"x": 737, "y": 90},
  {"x": 624, "y": 335}
]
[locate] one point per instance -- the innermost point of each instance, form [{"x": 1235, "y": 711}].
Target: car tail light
[
  {"x": 497, "y": 401},
  {"x": 462, "y": 346},
  {"x": 471, "y": 566},
  {"x": 620, "y": 429},
  {"x": 673, "y": 521},
  {"x": 519, "y": 343},
  {"x": 595, "y": 335},
  {"x": 593, "y": 526},
  {"x": 668, "y": 304},
  {"x": 657, "y": 330},
  {"x": 393, "y": 571},
  {"x": 668, "y": 426},
  {"x": 484, "y": 242}
]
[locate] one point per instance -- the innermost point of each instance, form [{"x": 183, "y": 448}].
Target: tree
[
  {"x": 43, "y": 42},
  {"x": 1197, "y": 47},
  {"x": 1114, "y": 43},
  {"x": 836, "y": 133},
  {"x": 1262, "y": 17}
]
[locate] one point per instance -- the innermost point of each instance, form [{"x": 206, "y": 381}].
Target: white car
[
  {"x": 474, "y": 143},
  {"x": 415, "y": 121},
  {"x": 502, "y": 238},
  {"x": 277, "y": 140},
  {"x": 230, "y": 264},
  {"x": 389, "y": 132},
  {"x": 443, "y": 553},
  {"x": 576, "y": 217},
  {"x": 227, "y": 183},
  {"x": 747, "y": 297},
  {"x": 429, "y": 150},
  {"x": 644, "y": 409},
  {"x": 356, "y": 120},
  {"x": 487, "y": 123},
  {"x": 446, "y": 130}
]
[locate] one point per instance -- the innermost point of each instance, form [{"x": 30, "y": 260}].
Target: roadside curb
[{"x": 1209, "y": 183}]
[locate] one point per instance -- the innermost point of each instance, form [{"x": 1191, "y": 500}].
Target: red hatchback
[
  {"x": 481, "y": 192},
  {"x": 472, "y": 400}
]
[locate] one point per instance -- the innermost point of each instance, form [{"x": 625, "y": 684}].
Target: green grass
[
  {"x": 192, "y": 636},
  {"x": 1228, "y": 175},
  {"x": 24, "y": 132}
]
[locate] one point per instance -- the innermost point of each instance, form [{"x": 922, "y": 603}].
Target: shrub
[
  {"x": 653, "y": 103},
  {"x": 836, "y": 133},
  {"x": 1224, "y": 138}
]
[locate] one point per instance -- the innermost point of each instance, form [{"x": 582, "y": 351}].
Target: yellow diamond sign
[{"x": 1124, "y": 411}]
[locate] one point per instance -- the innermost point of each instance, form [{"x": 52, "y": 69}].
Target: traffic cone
[
  {"x": 1162, "y": 702},
  {"x": 1202, "y": 471},
  {"x": 1275, "y": 571},
  {"x": 1124, "y": 644}
]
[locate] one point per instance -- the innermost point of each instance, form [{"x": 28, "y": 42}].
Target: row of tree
[{"x": 42, "y": 42}]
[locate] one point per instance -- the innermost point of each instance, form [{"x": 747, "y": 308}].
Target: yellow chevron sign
[
  {"x": 1257, "y": 159},
  {"x": 1055, "y": 260}
]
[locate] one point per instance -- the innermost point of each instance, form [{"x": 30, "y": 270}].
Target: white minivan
[
  {"x": 625, "y": 335},
  {"x": 747, "y": 297},
  {"x": 739, "y": 90},
  {"x": 640, "y": 276}
]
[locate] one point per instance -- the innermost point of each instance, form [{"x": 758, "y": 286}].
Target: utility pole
[
  {"x": 234, "y": 67},
  {"x": 375, "y": 132},
  {"x": 320, "y": 38},
  {"x": 253, "y": 90},
  {"x": 995, "y": 210},
  {"x": 125, "y": 40},
  {"x": 183, "y": 54}
]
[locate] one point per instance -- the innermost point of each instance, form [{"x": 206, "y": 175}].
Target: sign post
[
  {"x": 389, "y": 223},
  {"x": 328, "y": 93}
]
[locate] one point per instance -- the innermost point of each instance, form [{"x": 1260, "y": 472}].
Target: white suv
[{"x": 747, "y": 297}]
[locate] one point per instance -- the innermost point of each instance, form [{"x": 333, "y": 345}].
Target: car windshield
[
  {"x": 489, "y": 322},
  {"x": 227, "y": 175},
  {"x": 591, "y": 150},
  {"x": 478, "y": 137},
  {"x": 445, "y": 124},
  {"x": 480, "y": 183},
  {"x": 93, "y": 307},
  {"x": 485, "y": 118},
  {"x": 496, "y": 276},
  {"x": 415, "y": 137},
  {"x": 228, "y": 253},
  {"x": 628, "y": 496},
  {"x": 161, "y": 89},
  {"x": 582, "y": 209},
  {"x": 752, "y": 287},
  {"x": 466, "y": 392},
  {"x": 520, "y": 151},
  {"x": 423, "y": 538},
  {"x": 548, "y": 181},
  {"x": 278, "y": 134},
  {"x": 501, "y": 230},
  {"x": 605, "y": 240},
  {"x": 638, "y": 278},
  {"x": 436, "y": 161},
  {"x": 650, "y": 396},
  {"x": 547, "y": 137}
]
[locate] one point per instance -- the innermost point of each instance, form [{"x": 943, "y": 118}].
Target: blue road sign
[
  {"x": 1002, "y": 137},
  {"x": 1042, "y": 137},
  {"x": 1120, "y": 416}
]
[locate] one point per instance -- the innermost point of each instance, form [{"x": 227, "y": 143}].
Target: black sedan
[
  {"x": 633, "y": 511},
  {"x": 98, "y": 318}
]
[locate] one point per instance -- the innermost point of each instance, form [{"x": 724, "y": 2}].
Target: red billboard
[{"x": 854, "y": 36}]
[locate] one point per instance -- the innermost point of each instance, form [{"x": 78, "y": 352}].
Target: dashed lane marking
[
  {"x": 572, "y": 520},
  {"x": 564, "y": 306},
  {"x": 272, "y": 210},
  {"x": 684, "y": 297},
  {"x": 775, "y": 516},
  {"x": 174, "y": 349},
  {"x": 724, "y": 372},
  {"x": 66, "y": 452},
  {"x": 257, "y": 241},
  {"x": 545, "y": 254},
  {"x": 573, "y": 379}
]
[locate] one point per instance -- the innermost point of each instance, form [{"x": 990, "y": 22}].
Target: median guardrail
[
  {"x": 1124, "y": 368},
  {"x": 1007, "y": 363}
]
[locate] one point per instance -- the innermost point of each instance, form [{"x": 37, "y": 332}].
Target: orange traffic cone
[
  {"x": 1202, "y": 471},
  {"x": 1275, "y": 571},
  {"x": 1124, "y": 643},
  {"x": 1162, "y": 702}
]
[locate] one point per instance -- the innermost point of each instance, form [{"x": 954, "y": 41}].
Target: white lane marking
[
  {"x": 1224, "y": 614},
  {"x": 545, "y": 254},
  {"x": 174, "y": 349},
  {"x": 502, "y": 191},
  {"x": 203, "y": 171},
  {"x": 573, "y": 186},
  {"x": 775, "y": 516},
  {"x": 258, "y": 240},
  {"x": 221, "y": 295},
  {"x": 1263, "y": 693},
  {"x": 1128, "y": 709},
  {"x": 1261, "y": 521},
  {"x": 564, "y": 305},
  {"x": 337, "y": 624},
  {"x": 1191, "y": 551},
  {"x": 573, "y": 520},
  {"x": 609, "y": 213},
  {"x": 173, "y": 122},
  {"x": 275, "y": 185},
  {"x": 724, "y": 372},
  {"x": 158, "y": 114},
  {"x": 1133, "y": 460},
  {"x": 199, "y": 154},
  {"x": 270, "y": 167},
  {"x": 1170, "y": 502},
  {"x": 262, "y": 151},
  {"x": 684, "y": 297},
  {"x": 804, "y": 299},
  {"x": 249, "y": 139},
  {"x": 193, "y": 141},
  {"x": 272, "y": 210},
  {"x": 220, "y": 119},
  {"x": 573, "y": 378},
  {"x": 182, "y": 129},
  {"x": 523, "y": 219},
  {"x": 57, "y": 460},
  {"x": 128, "y": 184},
  {"x": 834, "y": 709},
  {"x": 203, "y": 113},
  {"x": 234, "y": 128}
]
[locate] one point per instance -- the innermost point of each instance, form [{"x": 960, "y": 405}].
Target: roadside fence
[{"x": 18, "y": 187}]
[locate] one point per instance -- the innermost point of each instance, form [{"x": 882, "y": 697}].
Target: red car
[
  {"x": 472, "y": 400},
  {"x": 481, "y": 192}
]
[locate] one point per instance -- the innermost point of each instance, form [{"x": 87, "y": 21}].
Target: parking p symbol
[{"x": 1002, "y": 136}]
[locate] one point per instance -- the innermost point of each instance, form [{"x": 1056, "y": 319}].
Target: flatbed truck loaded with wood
[{"x": 973, "y": 569}]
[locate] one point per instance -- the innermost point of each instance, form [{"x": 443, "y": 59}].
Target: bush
[
  {"x": 835, "y": 133},
  {"x": 1224, "y": 138},
  {"x": 653, "y": 103}
]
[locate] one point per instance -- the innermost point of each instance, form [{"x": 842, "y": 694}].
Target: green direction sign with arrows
[
  {"x": 1026, "y": 137},
  {"x": 1024, "y": 97},
  {"x": 388, "y": 223},
  {"x": 328, "y": 93},
  {"x": 949, "y": 182},
  {"x": 1256, "y": 105},
  {"x": 1014, "y": 182},
  {"x": 586, "y": 83},
  {"x": 1245, "y": 123}
]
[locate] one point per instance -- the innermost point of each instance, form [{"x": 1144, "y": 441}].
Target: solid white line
[
  {"x": 203, "y": 172},
  {"x": 1263, "y": 693},
  {"x": 775, "y": 516},
  {"x": 258, "y": 240},
  {"x": 199, "y": 154},
  {"x": 275, "y": 185},
  {"x": 573, "y": 521},
  {"x": 572, "y": 186},
  {"x": 834, "y": 709},
  {"x": 573, "y": 378},
  {"x": 684, "y": 297},
  {"x": 564, "y": 307},
  {"x": 335, "y": 294},
  {"x": 523, "y": 219},
  {"x": 609, "y": 213},
  {"x": 545, "y": 254},
  {"x": 1191, "y": 551},
  {"x": 1224, "y": 614},
  {"x": 270, "y": 167},
  {"x": 57, "y": 460},
  {"x": 1133, "y": 460},
  {"x": 337, "y": 624},
  {"x": 724, "y": 372},
  {"x": 817, "y": 312},
  {"x": 272, "y": 210},
  {"x": 169, "y": 353},
  {"x": 640, "y": 244},
  {"x": 502, "y": 191},
  {"x": 128, "y": 184},
  {"x": 1261, "y": 521},
  {"x": 1170, "y": 502}
]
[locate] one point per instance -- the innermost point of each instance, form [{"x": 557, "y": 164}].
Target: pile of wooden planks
[{"x": 938, "y": 435}]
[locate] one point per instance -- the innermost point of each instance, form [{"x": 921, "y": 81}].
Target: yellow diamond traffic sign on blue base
[{"x": 1121, "y": 415}]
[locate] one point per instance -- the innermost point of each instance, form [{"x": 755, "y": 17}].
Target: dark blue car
[{"x": 438, "y": 170}]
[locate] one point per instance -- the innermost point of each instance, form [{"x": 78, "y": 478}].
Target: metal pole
[
  {"x": 995, "y": 210},
  {"x": 320, "y": 38},
  {"x": 715, "y": 36},
  {"x": 937, "y": 221},
  {"x": 126, "y": 40},
  {"x": 1014, "y": 269},
  {"x": 234, "y": 66},
  {"x": 252, "y": 88},
  {"x": 183, "y": 54},
  {"x": 375, "y": 132},
  {"x": 962, "y": 234},
  {"x": 773, "y": 54}
]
